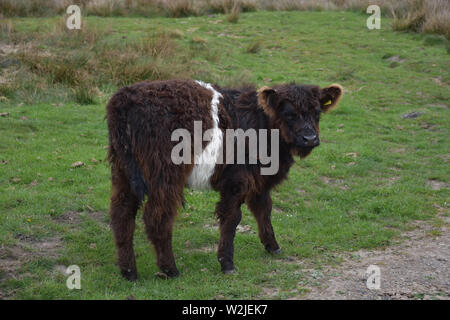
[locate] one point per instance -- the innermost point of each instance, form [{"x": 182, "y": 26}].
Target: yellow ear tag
[{"x": 327, "y": 103}]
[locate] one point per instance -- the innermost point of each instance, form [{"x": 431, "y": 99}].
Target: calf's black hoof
[
  {"x": 171, "y": 273},
  {"x": 130, "y": 275},
  {"x": 276, "y": 251},
  {"x": 229, "y": 271},
  {"x": 226, "y": 266}
]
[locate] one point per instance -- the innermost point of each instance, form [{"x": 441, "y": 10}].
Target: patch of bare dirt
[
  {"x": 27, "y": 249},
  {"x": 438, "y": 185},
  {"x": 214, "y": 226},
  {"x": 391, "y": 181},
  {"x": 270, "y": 292},
  {"x": 69, "y": 217},
  {"x": 335, "y": 182},
  {"x": 277, "y": 210},
  {"x": 417, "y": 268},
  {"x": 244, "y": 229},
  {"x": 74, "y": 218},
  {"x": 206, "y": 249},
  {"x": 397, "y": 150},
  {"x": 240, "y": 228}
]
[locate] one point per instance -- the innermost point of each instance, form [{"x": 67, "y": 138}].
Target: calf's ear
[
  {"x": 330, "y": 96},
  {"x": 267, "y": 98}
]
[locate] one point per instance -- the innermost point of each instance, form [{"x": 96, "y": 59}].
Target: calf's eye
[{"x": 291, "y": 117}]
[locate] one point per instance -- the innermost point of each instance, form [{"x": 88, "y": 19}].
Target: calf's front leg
[{"x": 261, "y": 207}]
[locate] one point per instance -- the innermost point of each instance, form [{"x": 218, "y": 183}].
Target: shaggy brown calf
[{"x": 141, "y": 121}]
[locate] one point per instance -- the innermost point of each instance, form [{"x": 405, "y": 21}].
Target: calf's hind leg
[
  {"x": 123, "y": 208},
  {"x": 159, "y": 215}
]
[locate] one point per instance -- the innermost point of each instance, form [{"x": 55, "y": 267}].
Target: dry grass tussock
[
  {"x": 80, "y": 62},
  {"x": 423, "y": 16},
  {"x": 430, "y": 16}
]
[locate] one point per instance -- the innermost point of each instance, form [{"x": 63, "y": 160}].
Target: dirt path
[{"x": 417, "y": 268}]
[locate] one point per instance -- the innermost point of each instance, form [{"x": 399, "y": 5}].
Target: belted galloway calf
[{"x": 147, "y": 121}]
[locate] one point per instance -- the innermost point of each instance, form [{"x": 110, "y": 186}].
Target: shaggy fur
[{"x": 141, "y": 119}]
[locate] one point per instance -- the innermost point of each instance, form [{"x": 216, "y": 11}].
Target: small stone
[
  {"x": 412, "y": 115},
  {"x": 77, "y": 164},
  {"x": 396, "y": 59}
]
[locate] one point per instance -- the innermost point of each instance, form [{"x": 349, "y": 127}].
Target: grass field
[{"x": 374, "y": 172}]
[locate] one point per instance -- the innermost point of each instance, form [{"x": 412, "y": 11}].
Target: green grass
[{"x": 359, "y": 189}]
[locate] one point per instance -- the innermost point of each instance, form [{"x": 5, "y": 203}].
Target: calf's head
[{"x": 295, "y": 110}]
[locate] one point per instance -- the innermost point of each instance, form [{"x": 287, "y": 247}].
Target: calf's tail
[{"x": 120, "y": 143}]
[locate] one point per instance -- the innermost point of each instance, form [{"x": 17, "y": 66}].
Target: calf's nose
[{"x": 311, "y": 140}]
